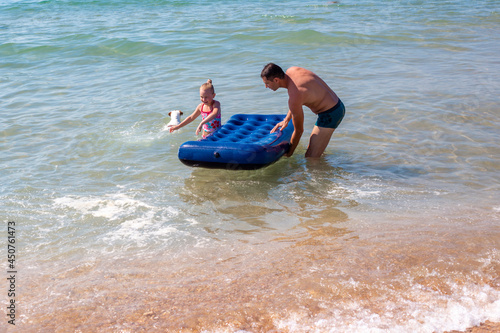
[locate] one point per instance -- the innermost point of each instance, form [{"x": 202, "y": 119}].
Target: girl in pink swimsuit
[{"x": 211, "y": 116}]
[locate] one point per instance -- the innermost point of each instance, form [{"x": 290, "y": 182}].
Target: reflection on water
[
  {"x": 395, "y": 229},
  {"x": 289, "y": 195},
  {"x": 320, "y": 276}
]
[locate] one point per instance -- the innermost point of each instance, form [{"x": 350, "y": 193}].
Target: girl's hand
[
  {"x": 198, "y": 130},
  {"x": 172, "y": 128}
]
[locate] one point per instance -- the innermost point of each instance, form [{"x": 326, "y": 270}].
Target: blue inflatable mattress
[{"x": 244, "y": 142}]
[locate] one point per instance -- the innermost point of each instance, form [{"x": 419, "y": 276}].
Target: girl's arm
[
  {"x": 188, "y": 119},
  {"x": 211, "y": 116}
]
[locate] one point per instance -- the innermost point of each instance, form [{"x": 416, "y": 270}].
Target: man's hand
[
  {"x": 281, "y": 125},
  {"x": 289, "y": 152}
]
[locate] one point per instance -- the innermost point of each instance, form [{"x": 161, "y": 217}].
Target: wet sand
[
  {"x": 286, "y": 287},
  {"x": 483, "y": 328}
]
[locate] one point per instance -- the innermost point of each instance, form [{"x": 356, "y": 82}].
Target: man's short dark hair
[{"x": 272, "y": 71}]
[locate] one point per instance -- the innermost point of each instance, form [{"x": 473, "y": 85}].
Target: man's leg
[{"x": 320, "y": 137}]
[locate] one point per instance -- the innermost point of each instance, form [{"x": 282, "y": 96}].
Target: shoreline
[
  {"x": 485, "y": 327},
  {"x": 214, "y": 300}
]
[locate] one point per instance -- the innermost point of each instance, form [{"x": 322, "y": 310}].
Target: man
[{"x": 306, "y": 88}]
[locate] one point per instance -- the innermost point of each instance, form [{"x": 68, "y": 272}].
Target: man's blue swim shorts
[{"x": 331, "y": 118}]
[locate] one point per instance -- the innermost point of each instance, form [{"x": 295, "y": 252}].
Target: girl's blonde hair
[{"x": 208, "y": 85}]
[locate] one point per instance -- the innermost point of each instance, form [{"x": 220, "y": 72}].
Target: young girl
[{"x": 208, "y": 108}]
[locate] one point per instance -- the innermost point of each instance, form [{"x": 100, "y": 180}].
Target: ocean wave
[
  {"x": 130, "y": 222},
  {"x": 87, "y": 46}
]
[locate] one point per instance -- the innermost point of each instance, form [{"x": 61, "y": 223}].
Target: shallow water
[{"x": 394, "y": 229}]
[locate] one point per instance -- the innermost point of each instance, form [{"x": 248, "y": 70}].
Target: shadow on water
[
  {"x": 290, "y": 198},
  {"x": 221, "y": 185}
]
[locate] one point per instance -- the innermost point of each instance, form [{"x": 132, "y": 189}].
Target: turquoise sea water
[{"x": 395, "y": 229}]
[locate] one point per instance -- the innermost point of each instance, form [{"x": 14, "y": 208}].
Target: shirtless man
[{"x": 306, "y": 88}]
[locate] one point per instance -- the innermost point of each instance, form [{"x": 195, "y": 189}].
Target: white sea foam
[
  {"x": 355, "y": 193},
  {"x": 140, "y": 231},
  {"x": 143, "y": 133},
  {"x": 467, "y": 306},
  {"x": 363, "y": 193},
  {"x": 110, "y": 206},
  {"x": 131, "y": 220},
  {"x": 410, "y": 134}
]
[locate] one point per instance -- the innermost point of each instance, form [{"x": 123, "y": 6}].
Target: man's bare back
[
  {"x": 311, "y": 89},
  {"x": 306, "y": 88}
]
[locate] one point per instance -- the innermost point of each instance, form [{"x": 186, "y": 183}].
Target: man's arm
[
  {"x": 297, "y": 115},
  {"x": 284, "y": 123}
]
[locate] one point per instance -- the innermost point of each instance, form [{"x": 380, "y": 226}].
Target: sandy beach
[
  {"x": 486, "y": 327},
  {"x": 395, "y": 229}
]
